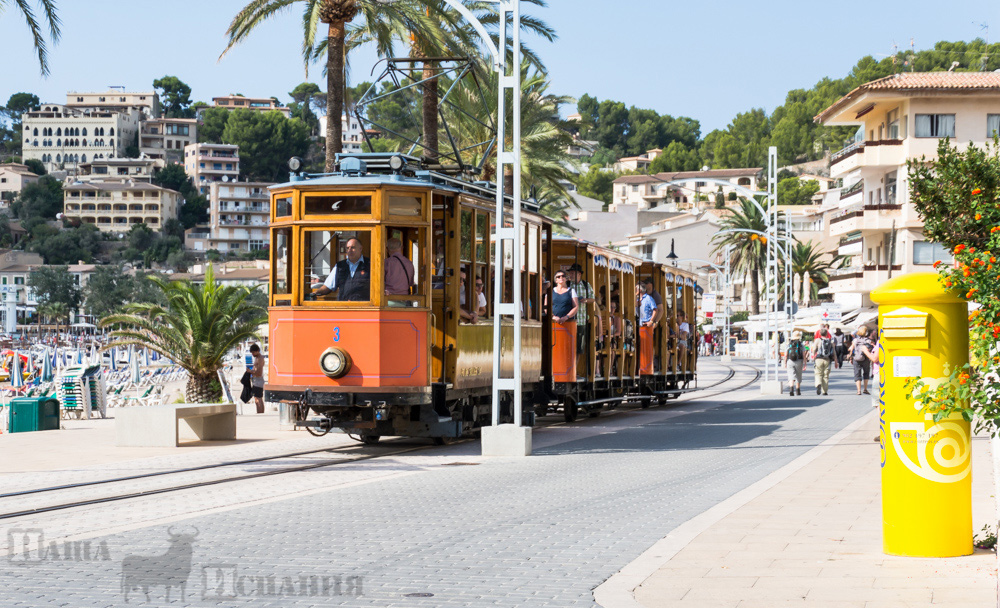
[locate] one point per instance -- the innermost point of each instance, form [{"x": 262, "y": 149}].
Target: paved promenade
[
  {"x": 811, "y": 535},
  {"x": 728, "y": 499}
]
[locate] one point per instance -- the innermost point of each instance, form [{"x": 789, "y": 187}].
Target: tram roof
[{"x": 380, "y": 175}]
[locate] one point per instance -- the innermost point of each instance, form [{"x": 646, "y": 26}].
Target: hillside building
[
  {"x": 166, "y": 138},
  {"x": 239, "y": 215},
  {"x": 899, "y": 118},
  {"x": 259, "y": 104},
  {"x": 209, "y": 163},
  {"x": 13, "y": 178}
]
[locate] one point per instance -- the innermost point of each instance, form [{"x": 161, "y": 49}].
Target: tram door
[{"x": 444, "y": 318}]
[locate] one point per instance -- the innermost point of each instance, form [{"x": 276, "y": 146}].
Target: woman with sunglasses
[{"x": 564, "y": 300}]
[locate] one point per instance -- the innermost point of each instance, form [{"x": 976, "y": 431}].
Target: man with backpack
[
  {"x": 823, "y": 353},
  {"x": 795, "y": 360}
]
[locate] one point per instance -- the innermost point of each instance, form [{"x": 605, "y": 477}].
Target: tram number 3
[{"x": 336, "y": 334}]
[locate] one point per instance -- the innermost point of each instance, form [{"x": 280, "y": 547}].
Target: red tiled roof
[{"x": 917, "y": 82}]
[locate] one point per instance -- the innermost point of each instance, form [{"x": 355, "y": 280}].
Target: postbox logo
[{"x": 938, "y": 452}]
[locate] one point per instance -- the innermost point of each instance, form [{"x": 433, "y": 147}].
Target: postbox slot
[{"x": 906, "y": 325}]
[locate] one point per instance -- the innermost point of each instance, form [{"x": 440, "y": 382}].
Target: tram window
[
  {"x": 338, "y": 205},
  {"x": 405, "y": 279},
  {"x": 323, "y": 249},
  {"x": 405, "y": 206},
  {"x": 281, "y": 281},
  {"x": 439, "y": 257},
  {"x": 466, "y": 236},
  {"x": 283, "y": 206},
  {"x": 482, "y": 237}
]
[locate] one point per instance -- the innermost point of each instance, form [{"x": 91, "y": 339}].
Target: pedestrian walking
[
  {"x": 862, "y": 350},
  {"x": 257, "y": 378},
  {"x": 795, "y": 361},
  {"x": 839, "y": 346},
  {"x": 823, "y": 354}
]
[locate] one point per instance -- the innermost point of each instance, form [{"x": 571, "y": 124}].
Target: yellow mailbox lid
[{"x": 915, "y": 288}]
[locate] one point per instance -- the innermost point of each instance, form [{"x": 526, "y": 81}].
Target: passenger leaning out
[{"x": 564, "y": 300}]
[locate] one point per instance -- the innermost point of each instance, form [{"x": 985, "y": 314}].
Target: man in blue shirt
[{"x": 647, "y": 309}]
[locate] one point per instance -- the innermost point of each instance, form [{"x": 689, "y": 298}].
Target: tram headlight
[
  {"x": 396, "y": 163},
  {"x": 334, "y": 362},
  {"x": 294, "y": 163}
]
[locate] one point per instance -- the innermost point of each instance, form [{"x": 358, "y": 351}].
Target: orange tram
[{"x": 380, "y": 311}]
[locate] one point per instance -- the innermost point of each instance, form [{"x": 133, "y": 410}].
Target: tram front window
[{"x": 337, "y": 265}]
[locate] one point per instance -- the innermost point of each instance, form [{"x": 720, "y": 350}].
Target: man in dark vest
[{"x": 350, "y": 278}]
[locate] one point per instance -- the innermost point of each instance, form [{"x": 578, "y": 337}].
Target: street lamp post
[
  {"x": 772, "y": 382},
  {"x": 505, "y": 439}
]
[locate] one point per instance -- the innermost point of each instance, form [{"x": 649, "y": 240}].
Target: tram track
[{"x": 347, "y": 458}]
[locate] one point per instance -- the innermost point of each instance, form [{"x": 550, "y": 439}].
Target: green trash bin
[{"x": 33, "y": 414}]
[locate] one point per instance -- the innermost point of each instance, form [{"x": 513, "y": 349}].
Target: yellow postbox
[{"x": 926, "y": 466}]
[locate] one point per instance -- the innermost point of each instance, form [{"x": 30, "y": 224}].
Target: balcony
[
  {"x": 851, "y": 245},
  {"x": 846, "y": 220},
  {"x": 860, "y": 279},
  {"x": 876, "y": 153}
]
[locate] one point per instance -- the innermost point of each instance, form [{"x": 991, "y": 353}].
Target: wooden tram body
[{"x": 413, "y": 364}]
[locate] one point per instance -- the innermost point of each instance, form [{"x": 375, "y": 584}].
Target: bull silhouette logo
[{"x": 170, "y": 569}]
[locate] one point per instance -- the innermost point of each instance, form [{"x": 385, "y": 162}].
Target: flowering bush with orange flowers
[{"x": 958, "y": 197}]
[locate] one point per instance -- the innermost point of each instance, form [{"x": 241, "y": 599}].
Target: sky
[{"x": 705, "y": 60}]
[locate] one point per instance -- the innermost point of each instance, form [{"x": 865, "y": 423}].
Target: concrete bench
[{"x": 157, "y": 425}]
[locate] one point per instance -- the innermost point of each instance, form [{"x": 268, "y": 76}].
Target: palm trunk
[
  {"x": 754, "y": 293},
  {"x": 430, "y": 108},
  {"x": 203, "y": 388},
  {"x": 334, "y": 92}
]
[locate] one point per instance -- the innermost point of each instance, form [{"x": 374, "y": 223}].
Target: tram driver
[{"x": 350, "y": 277}]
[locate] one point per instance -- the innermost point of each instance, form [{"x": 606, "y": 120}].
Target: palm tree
[
  {"x": 749, "y": 250},
  {"x": 336, "y": 15},
  {"x": 196, "y": 328},
  {"x": 38, "y": 37},
  {"x": 545, "y": 165},
  {"x": 54, "y": 311},
  {"x": 447, "y": 34},
  {"x": 806, "y": 262}
]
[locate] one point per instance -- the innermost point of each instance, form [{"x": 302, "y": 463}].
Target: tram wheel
[
  {"x": 570, "y": 409},
  {"x": 594, "y": 413},
  {"x": 370, "y": 439},
  {"x": 443, "y": 440}
]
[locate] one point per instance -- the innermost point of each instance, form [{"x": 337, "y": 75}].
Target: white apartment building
[
  {"x": 260, "y": 104},
  {"x": 117, "y": 170},
  {"x": 208, "y": 163},
  {"x": 899, "y": 118},
  {"x": 352, "y": 134},
  {"x": 116, "y": 206},
  {"x": 166, "y": 138},
  {"x": 116, "y": 100},
  {"x": 239, "y": 218},
  {"x": 62, "y": 137},
  {"x": 651, "y": 191}
]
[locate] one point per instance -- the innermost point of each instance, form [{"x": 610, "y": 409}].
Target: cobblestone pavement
[{"x": 540, "y": 531}]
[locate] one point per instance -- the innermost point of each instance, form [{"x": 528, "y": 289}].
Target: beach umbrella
[
  {"x": 47, "y": 373},
  {"x": 134, "y": 368},
  {"x": 79, "y": 356},
  {"x": 145, "y": 357},
  {"x": 114, "y": 357},
  {"x": 16, "y": 378},
  {"x": 94, "y": 357}
]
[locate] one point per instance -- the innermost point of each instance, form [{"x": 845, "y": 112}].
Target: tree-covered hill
[{"x": 622, "y": 131}]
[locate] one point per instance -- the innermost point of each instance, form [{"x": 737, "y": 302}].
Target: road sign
[{"x": 708, "y": 305}]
